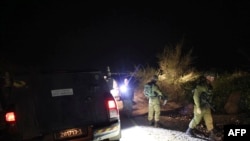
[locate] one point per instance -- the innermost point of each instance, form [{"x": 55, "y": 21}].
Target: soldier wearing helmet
[
  {"x": 154, "y": 108},
  {"x": 202, "y": 109}
]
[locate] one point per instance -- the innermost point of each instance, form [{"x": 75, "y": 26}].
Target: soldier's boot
[
  {"x": 190, "y": 132},
  {"x": 156, "y": 124},
  {"x": 150, "y": 122},
  {"x": 213, "y": 137}
]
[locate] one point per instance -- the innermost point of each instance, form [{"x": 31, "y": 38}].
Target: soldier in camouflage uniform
[
  {"x": 154, "y": 108},
  {"x": 202, "y": 110}
]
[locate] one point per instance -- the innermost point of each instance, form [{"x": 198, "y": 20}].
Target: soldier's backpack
[{"x": 148, "y": 92}]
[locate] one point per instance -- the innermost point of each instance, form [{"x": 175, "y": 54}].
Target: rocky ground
[
  {"x": 175, "y": 120},
  {"x": 177, "y": 117}
]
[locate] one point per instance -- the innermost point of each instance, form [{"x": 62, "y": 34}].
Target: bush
[
  {"x": 229, "y": 83},
  {"x": 174, "y": 70},
  {"x": 177, "y": 79}
]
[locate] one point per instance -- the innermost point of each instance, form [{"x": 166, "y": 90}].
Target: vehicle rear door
[{"x": 56, "y": 101}]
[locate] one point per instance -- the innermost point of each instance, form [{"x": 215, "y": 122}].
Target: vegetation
[
  {"x": 175, "y": 70},
  {"x": 229, "y": 83},
  {"x": 177, "y": 78}
]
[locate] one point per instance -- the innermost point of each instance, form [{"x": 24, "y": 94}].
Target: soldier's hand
[{"x": 198, "y": 110}]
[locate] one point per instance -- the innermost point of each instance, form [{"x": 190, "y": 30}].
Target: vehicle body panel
[{"x": 67, "y": 101}]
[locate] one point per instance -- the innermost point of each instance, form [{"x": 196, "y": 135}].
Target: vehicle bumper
[{"x": 108, "y": 132}]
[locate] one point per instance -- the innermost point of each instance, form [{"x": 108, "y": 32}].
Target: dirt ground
[
  {"x": 176, "y": 120},
  {"x": 177, "y": 117}
]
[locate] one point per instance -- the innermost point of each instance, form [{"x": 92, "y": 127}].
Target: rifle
[
  {"x": 205, "y": 101},
  {"x": 163, "y": 97}
]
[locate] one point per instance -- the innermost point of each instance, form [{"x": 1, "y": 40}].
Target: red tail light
[
  {"x": 111, "y": 104},
  {"x": 112, "y": 108},
  {"x": 10, "y": 117}
]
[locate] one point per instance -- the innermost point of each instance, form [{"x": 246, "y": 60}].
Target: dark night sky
[{"x": 66, "y": 34}]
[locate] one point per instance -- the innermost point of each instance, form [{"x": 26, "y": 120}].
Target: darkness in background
[{"x": 65, "y": 34}]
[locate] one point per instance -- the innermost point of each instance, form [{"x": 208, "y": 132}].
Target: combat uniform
[
  {"x": 205, "y": 109},
  {"x": 154, "y": 108}
]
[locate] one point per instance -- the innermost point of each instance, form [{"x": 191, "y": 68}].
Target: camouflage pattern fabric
[
  {"x": 154, "y": 108},
  {"x": 205, "y": 111}
]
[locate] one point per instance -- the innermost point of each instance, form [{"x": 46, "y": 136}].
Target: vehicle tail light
[
  {"x": 112, "y": 108},
  {"x": 111, "y": 104},
  {"x": 10, "y": 117}
]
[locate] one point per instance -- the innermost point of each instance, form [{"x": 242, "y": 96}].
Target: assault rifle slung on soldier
[{"x": 205, "y": 100}]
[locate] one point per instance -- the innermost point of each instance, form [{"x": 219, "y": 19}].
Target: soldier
[
  {"x": 153, "y": 96},
  {"x": 202, "y": 109}
]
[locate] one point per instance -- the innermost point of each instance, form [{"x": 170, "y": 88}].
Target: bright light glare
[
  {"x": 10, "y": 117},
  {"x": 123, "y": 88},
  {"x": 145, "y": 133},
  {"x": 136, "y": 134},
  {"x": 114, "y": 92}
]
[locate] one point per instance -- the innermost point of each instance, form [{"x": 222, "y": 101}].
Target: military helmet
[{"x": 210, "y": 73}]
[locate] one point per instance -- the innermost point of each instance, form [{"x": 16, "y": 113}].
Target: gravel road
[
  {"x": 154, "y": 134},
  {"x": 136, "y": 129}
]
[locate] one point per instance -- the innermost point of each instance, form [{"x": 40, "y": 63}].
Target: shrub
[
  {"x": 177, "y": 79},
  {"x": 174, "y": 70},
  {"x": 228, "y": 83}
]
